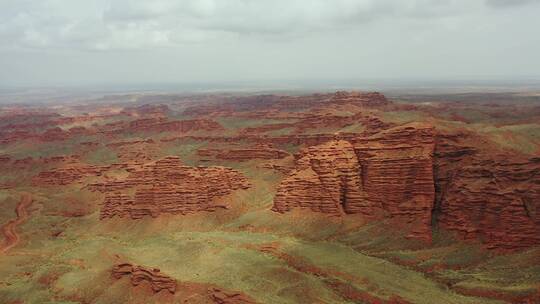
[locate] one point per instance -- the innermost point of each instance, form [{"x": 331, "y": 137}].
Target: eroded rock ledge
[
  {"x": 168, "y": 186},
  {"x": 390, "y": 174},
  {"x": 161, "y": 282},
  {"x": 421, "y": 180},
  {"x": 139, "y": 274}
]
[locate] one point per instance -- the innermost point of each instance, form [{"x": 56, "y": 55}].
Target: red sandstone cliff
[
  {"x": 167, "y": 186},
  {"x": 139, "y": 274},
  {"x": 419, "y": 179},
  {"x": 260, "y": 151},
  {"x": 496, "y": 201},
  {"x": 389, "y": 174},
  {"x": 192, "y": 292},
  {"x": 492, "y": 198}
]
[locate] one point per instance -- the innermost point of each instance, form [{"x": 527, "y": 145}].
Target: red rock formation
[
  {"x": 140, "y": 274},
  {"x": 193, "y": 292},
  {"x": 13, "y": 136},
  {"x": 370, "y": 99},
  {"x": 283, "y": 169},
  {"x": 23, "y": 162},
  {"x": 261, "y": 105},
  {"x": 90, "y": 144},
  {"x": 397, "y": 172},
  {"x": 136, "y": 151},
  {"x": 54, "y": 134},
  {"x": 167, "y": 186},
  {"x": 495, "y": 200},
  {"x": 318, "y": 122},
  {"x": 182, "y": 126},
  {"x": 267, "y": 128},
  {"x": 221, "y": 296},
  {"x": 390, "y": 173},
  {"x": 260, "y": 151},
  {"x": 28, "y": 120},
  {"x": 372, "y": 124},
  {"x": 75, "y": 119},
  {"x": 65, "y": 175},
  {"x": 481, "y": 195},
  {"x": 4, "y": 160},
  {"x": 325, "y": 179},
  {"x": 147, "y": 110},
  {"x": 79, "y": 131},
  {"x": 297, "y": 140}
]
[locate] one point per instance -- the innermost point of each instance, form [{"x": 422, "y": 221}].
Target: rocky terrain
[
  {"x": 139, "y": 274},
  {"x": 167, "y": 186},
  {"x": 345, "y": 197}
]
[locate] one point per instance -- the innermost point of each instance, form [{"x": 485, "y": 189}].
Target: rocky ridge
[
  {"x": 385, "y": 175},
  {"x": 260, "y": 151},
  {"x": 140, "y": 274},
  {"x": 168, "y": 186}
]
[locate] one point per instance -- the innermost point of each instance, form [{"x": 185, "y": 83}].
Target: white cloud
[
  {"x": 510, "y": 3},
  {"x": 136, "y": 41},
  {"x": 139, "y": 24}
]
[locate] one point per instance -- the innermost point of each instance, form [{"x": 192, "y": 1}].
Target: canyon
[{"x": 336, "y": 197}]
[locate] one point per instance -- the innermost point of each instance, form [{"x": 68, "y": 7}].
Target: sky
[{"x": 118, "y": 42}]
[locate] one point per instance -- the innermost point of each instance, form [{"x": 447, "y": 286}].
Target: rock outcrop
[
  {"x": 369, "y": 99},
  {"x": 260, "y": 105},
  {"x": 181, "y": 126},
  {"x": 5, "y": 160},
  {"x": 135, "y": 151},
  {"x": 148, "y": 110},
  {"x": 397, "y": 172},
  {"x": 221, "y": 296},
  {"x": 495, "y": 200},
  {"x": 484, "y": 196},
  {"x": 420, "y": 180},
  {"x": 167, "y": 186},
  {"x": 140, "y": 274},
  {"x": 193, "y": 292},
  {"x": 68, "y": 173},
  {"x": 260, "y": 151},
  {"x": 389, "y": 174},
  {"x": 326, "y": 179}
]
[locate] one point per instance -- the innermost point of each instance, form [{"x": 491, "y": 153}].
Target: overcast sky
[{"x": 72, "y": 42}]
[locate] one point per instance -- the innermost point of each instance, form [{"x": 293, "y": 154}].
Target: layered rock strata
[
  {"x": 167, "y": 186},
  {"x": 139, "y": 274},
  {"x": 495, "y": 200},
  {"x": 65, "y": 175},
  {"x": 389, "y": 174},
  {"x": 182, "y": 126},
  {"x": 260, "y": 151}
]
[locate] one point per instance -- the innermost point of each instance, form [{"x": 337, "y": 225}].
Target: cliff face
[
  {"x": 493, "y": 198},
  {"x": 197, "y": 292},
  {"x": 139, "y": 274},
  {"x": 370, "y": 99},
  {"x": 167, "y": 186},
  {"x": 139, "y": 151},
  {"x": 496, "y": 201},
  {"x": 67, "y": 171},
  {"x": 397, "y": 172},
  {"x": 260, "y": 151},
  {"x": 385, "y": 175},
  {"x": 325, "y": 179},
  {"x": 419, "y": 180},
  {"x": 182, "y": 126}
]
